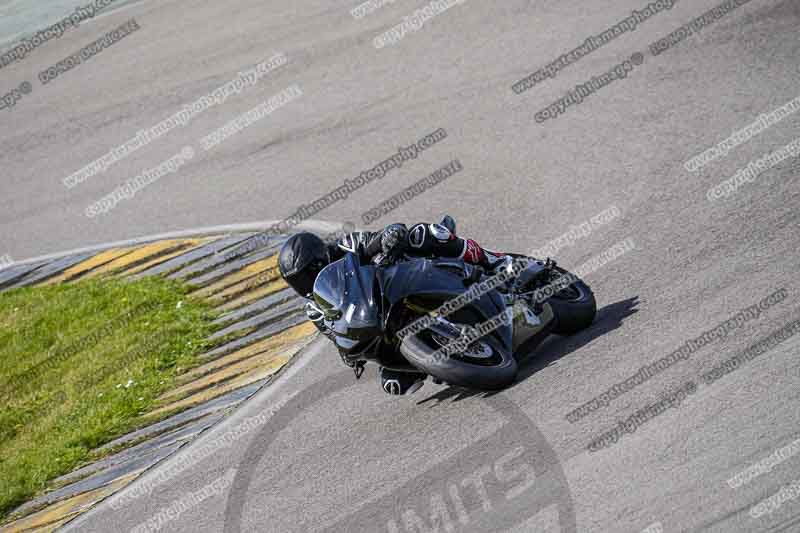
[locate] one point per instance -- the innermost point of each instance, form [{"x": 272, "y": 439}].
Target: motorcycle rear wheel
[{"x": 575, "y": 307}]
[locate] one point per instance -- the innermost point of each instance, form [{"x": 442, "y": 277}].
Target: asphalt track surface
[{"x": 343, "y": 456}]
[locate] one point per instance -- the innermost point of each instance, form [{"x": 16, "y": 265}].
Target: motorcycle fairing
[
  {"x": 352, "y": 296},
  {"x": 440, "y": 278},
  {"x": 345, "y": 291}
]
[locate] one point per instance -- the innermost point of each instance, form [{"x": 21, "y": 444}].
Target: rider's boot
[{"x": 396, "y": 382}]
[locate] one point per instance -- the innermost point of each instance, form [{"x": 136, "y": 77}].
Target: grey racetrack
[{"x": 343, "y": 456}]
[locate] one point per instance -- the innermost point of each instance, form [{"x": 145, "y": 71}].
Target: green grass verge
[{"x": 79, "y": 364}]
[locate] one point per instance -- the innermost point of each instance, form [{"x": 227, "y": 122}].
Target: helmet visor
[{"x": 303, "y": 281}]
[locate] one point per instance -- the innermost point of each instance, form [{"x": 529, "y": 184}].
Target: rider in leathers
[{"x": 304, "y": 255}]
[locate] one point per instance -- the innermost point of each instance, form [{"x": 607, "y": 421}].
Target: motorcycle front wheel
[{"x": 483, "y": 365}]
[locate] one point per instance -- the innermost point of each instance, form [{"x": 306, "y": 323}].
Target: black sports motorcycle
[{"x": 369, "y": 308}]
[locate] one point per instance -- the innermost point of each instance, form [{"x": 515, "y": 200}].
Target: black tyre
[
  {"x": 485, "y": 365},
  {"x": 574, "y": 306}
]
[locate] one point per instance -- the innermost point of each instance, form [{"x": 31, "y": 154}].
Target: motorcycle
[{"x": 478, "y": 344}]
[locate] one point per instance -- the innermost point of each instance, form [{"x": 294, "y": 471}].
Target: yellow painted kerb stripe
[{"x": 84, "y": 266}]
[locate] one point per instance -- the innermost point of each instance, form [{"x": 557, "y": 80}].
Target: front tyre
[{"x": 485, "y": 365}]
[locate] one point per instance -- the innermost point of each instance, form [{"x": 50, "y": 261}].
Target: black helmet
[{"x": 302, "y": 257}]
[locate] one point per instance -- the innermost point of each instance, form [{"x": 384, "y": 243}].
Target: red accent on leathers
[{"x": 474, "y": 253}]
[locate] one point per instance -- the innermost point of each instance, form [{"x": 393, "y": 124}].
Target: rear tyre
[{"x": 574, "y": 306}]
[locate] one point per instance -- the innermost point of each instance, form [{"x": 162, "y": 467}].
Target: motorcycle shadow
[
  {"x": 551, "y": 350},
  {"x": 555, "y": 347}
]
